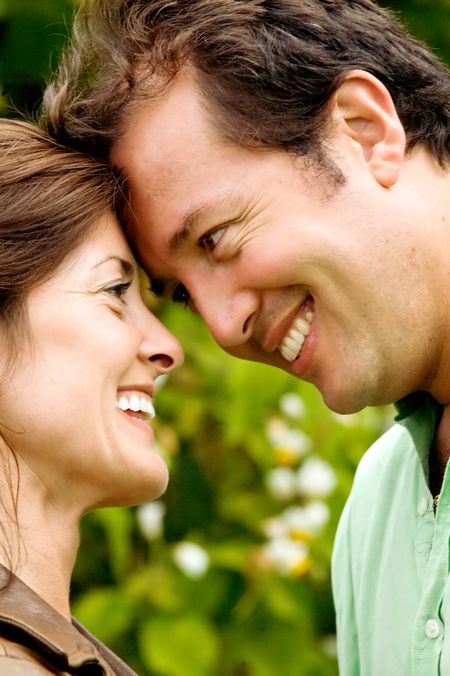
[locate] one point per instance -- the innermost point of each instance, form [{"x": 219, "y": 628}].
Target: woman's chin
[{"x": 139, "y": 489}]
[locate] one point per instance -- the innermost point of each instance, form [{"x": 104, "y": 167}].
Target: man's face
[{"x": 285, "y": 267}]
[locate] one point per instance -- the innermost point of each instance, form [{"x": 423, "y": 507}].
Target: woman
[{"x": 79, "y": 355}]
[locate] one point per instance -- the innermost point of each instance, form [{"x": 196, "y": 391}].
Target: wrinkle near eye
[{"x": 251, "y": 221}]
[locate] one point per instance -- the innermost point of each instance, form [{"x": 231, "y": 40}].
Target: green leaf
[
  {"x": 179, "y": 646},
  {"x": 118, "y": 525},
  {"x": 105, "y": 612}
]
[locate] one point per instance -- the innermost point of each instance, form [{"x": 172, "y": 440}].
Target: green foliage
[
  {"x": 167, "y": 645},
  {"x": 234, "y": 578},
  {"x": 32, "y": 33},
  {"x": 108, "y": 608},
  {"x": 428, "y": 20}
]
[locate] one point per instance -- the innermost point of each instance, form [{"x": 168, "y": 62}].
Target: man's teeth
[
  {"x": 136, "y": 404},
  {"x": 292, "y": 343}
]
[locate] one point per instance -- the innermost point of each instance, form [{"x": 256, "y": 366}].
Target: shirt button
[
  {"x": 422, "y": 507},
  {"x": 433, "y": 628}
]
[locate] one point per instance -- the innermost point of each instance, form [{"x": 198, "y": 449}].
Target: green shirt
[{"x": 391, "y": 579}]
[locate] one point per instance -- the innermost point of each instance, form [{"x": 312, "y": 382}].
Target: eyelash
[{"x": 119, "y": 290}]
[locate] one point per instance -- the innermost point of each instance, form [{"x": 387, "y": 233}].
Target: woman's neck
[{"x": 39, "y": 542}]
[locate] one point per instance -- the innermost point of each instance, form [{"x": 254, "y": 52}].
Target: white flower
[
  {"x": 274, "y": 527},
  {"x": 161, "y": 380},
  {"x": 329, "y": 645},
  {"x": 316, "y": 478},
  {"x": 284, "y": 438},
  {"x": 308, "y": 520},
  {"x": 292, "y": 406},
  {"x": 296, "y": 520},
  {"x": 285, "y": 554},
  {"x": 150, "y": 517},
  {"x": 192, "y": 559},
  {"x": 318, "y": 514},
  {"x": 282, "y": 483}
]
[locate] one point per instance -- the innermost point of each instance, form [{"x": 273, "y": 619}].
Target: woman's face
[{"x": 94, "y": 350}]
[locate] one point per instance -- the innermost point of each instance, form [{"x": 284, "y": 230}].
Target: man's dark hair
[{"x": 266, "y": 69}]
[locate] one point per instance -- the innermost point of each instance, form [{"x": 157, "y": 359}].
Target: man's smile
[{"x": 292, "y": 344}]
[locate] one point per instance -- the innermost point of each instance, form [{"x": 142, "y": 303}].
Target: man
[{"x": 288, "y": 167}]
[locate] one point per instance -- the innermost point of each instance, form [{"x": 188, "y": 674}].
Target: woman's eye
[
  {"x": 210, "y": 240},
  {"x": 119, "y": 290},
  {"x": 181, "y": 295}
]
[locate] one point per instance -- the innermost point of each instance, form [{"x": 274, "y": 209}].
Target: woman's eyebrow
[{"x": 127, "y": 267}]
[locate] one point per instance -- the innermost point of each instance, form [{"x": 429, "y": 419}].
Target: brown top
[{"x": 35, "y": 640}]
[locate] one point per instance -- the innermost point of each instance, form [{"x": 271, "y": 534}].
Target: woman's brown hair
[{"x": 51, "y": 200}]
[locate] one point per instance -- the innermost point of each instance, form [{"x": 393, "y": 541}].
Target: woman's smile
[{"x": 137, "y": 406}]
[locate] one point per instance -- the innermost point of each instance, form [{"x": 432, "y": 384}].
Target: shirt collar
[
  {"x": 412, "y": 402},
  {"x": 420, "y": 414},
  {"x": 26, "y": 616}
]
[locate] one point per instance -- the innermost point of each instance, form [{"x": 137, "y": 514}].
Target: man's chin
[
  {"x": 346, "y": 401},
  {"x": 341, "y": 399}
]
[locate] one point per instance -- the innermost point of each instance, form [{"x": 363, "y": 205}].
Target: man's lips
[
  {"x": 274, "y": 337},
  {"x": 292, "y": 344}
]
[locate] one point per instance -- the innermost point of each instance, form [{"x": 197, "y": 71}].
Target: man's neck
[{"x": 440, "y": 453}]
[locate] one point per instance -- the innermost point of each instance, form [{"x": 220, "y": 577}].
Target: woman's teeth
[
  {"x": 292, "y": 343},
  {"x": 136, "y": 404}
]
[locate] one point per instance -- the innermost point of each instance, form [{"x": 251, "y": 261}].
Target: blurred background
[{"x": 229, "y": 573}]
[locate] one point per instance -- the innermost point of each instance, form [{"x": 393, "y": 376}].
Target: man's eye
[
  {"x": 181, "y": 295},
  {"x": 210, "y": 240},
  {"x": 119, "y": 290},
  {"x": 158, "y": 287}
]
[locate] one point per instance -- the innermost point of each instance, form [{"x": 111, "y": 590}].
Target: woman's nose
[{"x": 161, "y": 348}]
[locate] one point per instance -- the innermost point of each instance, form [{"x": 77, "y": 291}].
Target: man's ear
[{"x": 365, "y": 111}]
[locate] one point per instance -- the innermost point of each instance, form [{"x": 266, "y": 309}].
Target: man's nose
[{"x": 229, "y": 315}]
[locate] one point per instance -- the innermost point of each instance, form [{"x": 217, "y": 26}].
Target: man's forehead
[{"x": 175, "y": 115}]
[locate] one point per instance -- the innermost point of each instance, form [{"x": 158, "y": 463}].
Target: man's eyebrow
[
  {"x": 188, "y": 221},
  {"x": 127, "y": 266},
  {"x": 193, "y": 216}
]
